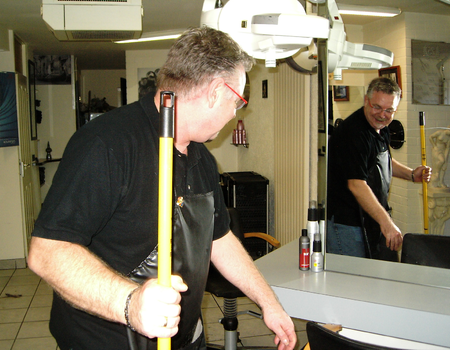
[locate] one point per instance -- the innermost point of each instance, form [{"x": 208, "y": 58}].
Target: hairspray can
[{"x": 304, "y": 250}]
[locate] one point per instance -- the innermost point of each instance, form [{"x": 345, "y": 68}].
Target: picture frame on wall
[
  {"x": 341, "y": 93},
  {"x": 32, "y": 96},
  {"x": 393, "y": 73}
]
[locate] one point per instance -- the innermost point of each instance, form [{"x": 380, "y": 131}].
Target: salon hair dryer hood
[
  {"x": 343, "y": 54},
  {"x": 266, "y": 29}
]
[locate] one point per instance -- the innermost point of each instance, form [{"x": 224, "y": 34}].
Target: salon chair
[
  {"x": 220, "y": 287},
  {"x": 327, "y": 337},
  {"x": 426, "y": 250}
]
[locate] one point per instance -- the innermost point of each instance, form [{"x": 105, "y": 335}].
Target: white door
[{"x": 25, "y": 159}]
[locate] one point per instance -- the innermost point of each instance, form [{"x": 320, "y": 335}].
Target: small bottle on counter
[
  {"x": 304, "y": 250},
  {"x": 313, "y": 221},
  {"x": 317, "y": 256}
]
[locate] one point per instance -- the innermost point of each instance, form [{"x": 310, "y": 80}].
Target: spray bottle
[
  {"x": 304, "y": 251},
  {"x": 313, "y": 223},
  {"x": 322, "y": 224},
  {"x": 317, "y": 257}
]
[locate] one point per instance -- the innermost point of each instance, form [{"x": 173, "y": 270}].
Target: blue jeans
[{"x": 345, "y": 240}]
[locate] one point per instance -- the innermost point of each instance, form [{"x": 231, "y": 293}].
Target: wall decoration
[
  {"x": 430, "y": 72},
  {"x": 341, "y": 93},
  {"x": 147, "y": 80},
  {"x": 53, "y": 69},
  {"x": 9, "y": 129},
  {"x": 32, "y": 95},
  {"x": 392, "y": 73},
  {"x": 264, "y": 89}
]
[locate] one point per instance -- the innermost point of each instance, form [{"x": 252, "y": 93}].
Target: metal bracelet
[
  {"x": 127, "y": 305},
  {"x": 412, "y": 176}
]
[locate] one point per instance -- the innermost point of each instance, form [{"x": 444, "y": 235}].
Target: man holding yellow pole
[
  {"x": 95, "y": 241},
  {"x": 360, "y": 170}
]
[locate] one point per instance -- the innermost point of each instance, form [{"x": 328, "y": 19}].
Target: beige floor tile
[
  {"x": 24, "y": 272},
  {"x": 34, "y": 330},
  {"x": 47, "y": 343},
  {"x": 253, "y": 327},
  {"x": 263, "y": 341},
  {"x": 9, "y": 331},
  {"x": 15, "y": 303},
  {"x": 6, "y": 273},
  {"x": 4, "y": 281},
  {"x": 21, "y": 290},
  {"x": 12, "y": 315},
  {"x": 6, "y": 344},
  {"x": 24, "y": 280},
  {"x": 38, "y": 314},
  {"x": 208, "y": 301},
  {"x": 44, "y": 289},
  {"x": 42, "y": 300}
]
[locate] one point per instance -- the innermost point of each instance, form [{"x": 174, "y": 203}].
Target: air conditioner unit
[{"x": 106, "y": 20}]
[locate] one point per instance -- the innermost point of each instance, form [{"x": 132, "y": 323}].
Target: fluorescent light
[
  {"x": 378, "y": 11},
  {"x": 446, "y": 1},
  {"x": 153, "y": 36}
]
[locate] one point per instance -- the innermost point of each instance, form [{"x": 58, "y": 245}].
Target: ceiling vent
[{"x": 84, "y": 20}]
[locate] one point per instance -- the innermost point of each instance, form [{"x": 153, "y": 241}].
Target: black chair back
[
  {"x": 426, "y": 249},
  {"x": 321, "y": 338}
]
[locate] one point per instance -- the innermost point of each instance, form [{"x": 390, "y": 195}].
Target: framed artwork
[
  {"x": 32, "y": 95},
  {"x": 392, "y": 73},
  {"x": 341, "y": 93}
]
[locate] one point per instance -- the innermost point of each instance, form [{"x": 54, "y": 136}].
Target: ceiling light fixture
[
  {"x": 446, "y": 1},
  {"x": 153, "y": 36},
  {"x": 379, "y": 11}
]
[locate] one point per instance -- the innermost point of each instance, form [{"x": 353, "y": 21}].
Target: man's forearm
[
  {"x": 401, "y": 171},
  {"x": 80, "y": 278},
  {"x": 369, "y": 203},
  {"x": 233, "y": 261}
]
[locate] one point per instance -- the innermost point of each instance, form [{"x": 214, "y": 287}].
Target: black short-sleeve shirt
[{"x": 352, "y": 152}]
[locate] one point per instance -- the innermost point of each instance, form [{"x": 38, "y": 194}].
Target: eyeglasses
[
  {"x": 239, "y": 103},
  {"x": 378, "y": 109}
]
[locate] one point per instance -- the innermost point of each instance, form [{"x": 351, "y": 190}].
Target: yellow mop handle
[
  {"x": 166, "y": 134},
  {"x": 424, "y": 162}
]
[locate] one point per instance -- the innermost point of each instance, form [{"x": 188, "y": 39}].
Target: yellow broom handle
[
  {"x": 165, "y": 196},
  {"x": 424, "y": 162}
]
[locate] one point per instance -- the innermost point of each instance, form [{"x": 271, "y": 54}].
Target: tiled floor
[{"x": 25, "y": 302}]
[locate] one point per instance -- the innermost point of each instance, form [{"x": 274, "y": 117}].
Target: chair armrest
[{"x": 268, "y": 238}]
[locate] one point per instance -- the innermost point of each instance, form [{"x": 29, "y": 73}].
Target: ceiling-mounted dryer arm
[{"x": 266, "y": 29}]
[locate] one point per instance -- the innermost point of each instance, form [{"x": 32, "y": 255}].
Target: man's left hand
[
  {"x": 421, "y": 173},
  {"x": 283, "y": 327}
]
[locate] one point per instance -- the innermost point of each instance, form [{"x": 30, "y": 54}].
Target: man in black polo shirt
[
  {"x": 360, "y": 168},
  {"x": 95, "y": 241}
]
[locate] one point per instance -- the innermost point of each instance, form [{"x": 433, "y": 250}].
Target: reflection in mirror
[
  {"x": 386, "y": 32},
  {"x": 368, "y": 267}
]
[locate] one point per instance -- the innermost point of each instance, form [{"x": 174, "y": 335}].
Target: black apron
[
  {"x": 380, "y": 175},
  {"x": 193, "y": 226}
]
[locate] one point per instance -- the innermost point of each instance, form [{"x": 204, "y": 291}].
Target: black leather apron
[
  {"x": 193, "y": 226},
  {"x": 379, "y": 181}
]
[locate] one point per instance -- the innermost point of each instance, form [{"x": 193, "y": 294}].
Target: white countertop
[{"x": 397, "y": 309}]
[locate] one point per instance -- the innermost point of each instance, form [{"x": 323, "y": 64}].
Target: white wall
[
  {"x": 138, "y": 59},
  {"x": 101, "y": 84},
  {"x": 58, "y": 125}
]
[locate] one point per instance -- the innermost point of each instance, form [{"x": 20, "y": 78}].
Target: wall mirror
[
  {"x": 423, "y": 275},
  {"x": 374, "y": 268}
]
